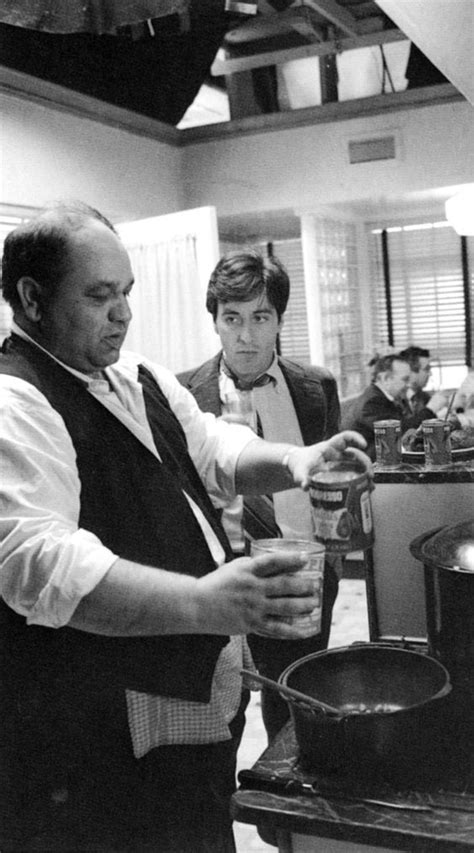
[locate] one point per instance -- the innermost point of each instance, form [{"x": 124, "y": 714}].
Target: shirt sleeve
[
  {"x": 48, "y": 564},
  {"x": 214, "y": 445}
]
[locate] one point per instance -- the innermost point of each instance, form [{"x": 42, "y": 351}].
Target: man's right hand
[
  {"x": 247, "y": 595},
  {"x": 251, "y": 595}
]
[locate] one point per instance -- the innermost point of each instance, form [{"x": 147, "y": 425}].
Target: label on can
[
  {"x": 388, "y": 443},
  {"x": 436, "y": 442},
  {"x": 341, "y": 508}
]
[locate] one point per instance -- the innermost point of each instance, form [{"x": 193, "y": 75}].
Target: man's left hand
[{"x": 304, "y": 462}]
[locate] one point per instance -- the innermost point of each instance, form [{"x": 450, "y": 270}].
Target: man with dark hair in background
[
  {"x": 420, "y": 403},
  {"x": 247, "y": 297}
]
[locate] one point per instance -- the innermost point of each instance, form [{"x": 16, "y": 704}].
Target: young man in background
[{"x": 247, "y": 297}]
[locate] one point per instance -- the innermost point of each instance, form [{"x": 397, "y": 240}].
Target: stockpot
[{"x": 447, "y": 555}]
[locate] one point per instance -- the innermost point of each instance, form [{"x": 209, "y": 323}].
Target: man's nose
[
  {"x": 245, "y": 332},
  {"x": 120, "y": 312}
]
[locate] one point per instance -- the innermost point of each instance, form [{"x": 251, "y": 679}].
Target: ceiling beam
[
  {"x": 336, "y": 14},
  {"x": 277, "y": 57}
]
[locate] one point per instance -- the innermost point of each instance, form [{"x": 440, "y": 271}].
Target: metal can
[
  {"x": 436, "y": 441},
  {"x": 388, "y": 443},
  {"x": 341, "y": 507}
]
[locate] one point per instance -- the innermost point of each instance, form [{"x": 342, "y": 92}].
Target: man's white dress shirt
[{"x": 48, "y": 564}]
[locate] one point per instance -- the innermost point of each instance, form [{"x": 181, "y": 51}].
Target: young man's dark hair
[
  {"x": 241, "y": 276},
  {"x": 412, "y": 355}
]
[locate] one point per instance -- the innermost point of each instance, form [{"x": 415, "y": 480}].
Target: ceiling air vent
[{"x": 366, "y": 150}]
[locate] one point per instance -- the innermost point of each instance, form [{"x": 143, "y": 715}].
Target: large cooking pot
[
  {"x": 392, "y": 709},
  {"x": 447, "y": 554}
]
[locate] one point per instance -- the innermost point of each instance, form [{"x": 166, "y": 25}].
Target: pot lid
[{"x": 451, "y": 547}]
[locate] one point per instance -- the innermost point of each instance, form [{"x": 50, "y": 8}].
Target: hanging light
[{"x": 460, "y": 211}]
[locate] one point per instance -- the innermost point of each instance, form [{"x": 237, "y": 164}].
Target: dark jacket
[
  {"x": 373, "y": 405},
  {"x": 312, "y": 389},
  {"x": 417, "y": 410},
  {"x": 315, "y": 398}
]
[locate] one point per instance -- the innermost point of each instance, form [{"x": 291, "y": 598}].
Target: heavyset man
[
  {"x": 381, "y": 400},
  {"x": 395, "y": 393},
  {"x": 122, "y": 610},
  {"x": 247, "y": 297}
]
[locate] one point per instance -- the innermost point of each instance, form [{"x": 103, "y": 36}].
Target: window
[
  {"x": 429, "y": 302},
  {"x": 340, "y": 294},
  {"x": 337, "y": 278}
]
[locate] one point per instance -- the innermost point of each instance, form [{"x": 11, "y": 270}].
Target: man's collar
[
  {"x": 388, "y": 396},
  {"x": 94, "y": 384},
  {"x": 271, "y": 371}
]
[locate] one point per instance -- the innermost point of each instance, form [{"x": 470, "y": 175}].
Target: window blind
[
  {"x": 427, "y": 290},
  {"x": 338, "y": 281},
  {"x": 294, "y": 336}
]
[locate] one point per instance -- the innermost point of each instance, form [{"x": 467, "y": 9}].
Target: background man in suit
[
  {"x": 386, "y": 396},
  {"x": 382, "y": 399},
  {"x": 285, "y": 401},
  {"x": 419, "y": 402}
]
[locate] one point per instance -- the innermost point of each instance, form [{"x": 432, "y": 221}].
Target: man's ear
[{"x": 31, "y": 297}]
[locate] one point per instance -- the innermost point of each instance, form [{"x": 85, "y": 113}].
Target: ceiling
[{"x": 157, "y": 67}]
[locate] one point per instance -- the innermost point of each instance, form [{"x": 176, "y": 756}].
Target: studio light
[{"x": 460, "y": 211}]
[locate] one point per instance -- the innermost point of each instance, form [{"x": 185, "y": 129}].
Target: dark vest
[{"x": 136, "y": 507}]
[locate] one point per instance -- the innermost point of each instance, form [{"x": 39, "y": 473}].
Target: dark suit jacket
[
  {"x": 372, "y": 405},
  {"x": 417, "y": 410},
  {"x": 314, "y": 394},
  {"x": 312, "y": 389}
]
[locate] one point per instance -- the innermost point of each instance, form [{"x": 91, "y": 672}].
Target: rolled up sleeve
[{"x": 48, "y": 564}]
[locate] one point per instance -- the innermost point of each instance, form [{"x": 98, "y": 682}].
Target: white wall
[
  {"x": 48, "y": 153},
  {"x": 307, "y": 166}
]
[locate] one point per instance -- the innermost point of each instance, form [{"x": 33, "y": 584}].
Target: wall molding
[
  {"x": 52, "y": 95},
  {"x": 26, "y": 87}
]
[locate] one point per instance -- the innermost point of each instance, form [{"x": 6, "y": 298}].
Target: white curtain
[{"x": 170, "y": 323}]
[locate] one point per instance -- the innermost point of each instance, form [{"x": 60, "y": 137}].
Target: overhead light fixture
[{"x": 460, "y": 211}]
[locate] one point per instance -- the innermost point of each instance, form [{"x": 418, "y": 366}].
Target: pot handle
[
  {"x": 444, "y": 690},
  {"x": 293, "y": 696}
]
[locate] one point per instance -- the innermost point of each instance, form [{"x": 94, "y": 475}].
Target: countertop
[
  {"x": 444, "y": 825},
  {"x": 415, "y": 472}
]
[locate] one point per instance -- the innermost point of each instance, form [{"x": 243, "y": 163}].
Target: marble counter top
[
  {"x": 410, "y": 472},
  {"x": 438, "y": 817}
]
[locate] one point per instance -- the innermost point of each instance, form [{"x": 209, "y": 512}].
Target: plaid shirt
[{"x": 159, "y": 720}]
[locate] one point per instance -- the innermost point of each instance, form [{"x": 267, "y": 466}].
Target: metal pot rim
[{"x": 378, "y": 647}]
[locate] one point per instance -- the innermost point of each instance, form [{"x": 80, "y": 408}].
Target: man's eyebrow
[
  {"x": 106, "y": 284},
  {"x": 102, "y": 283}
]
